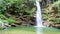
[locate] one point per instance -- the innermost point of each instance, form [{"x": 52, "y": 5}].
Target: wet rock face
[
  {"x": 46, "y": 23},
  {"x": 33, "y": 20},
  {"x": 23, "y": 21},
  {"x": 29, "y": 21},
  {"x": 57, "y": 25},
  {"x": 53, "y": 14}
]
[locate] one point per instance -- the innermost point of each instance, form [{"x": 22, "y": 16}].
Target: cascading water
[
  {"x": 38, "y": 15},
  {"x": 38, "y": 18}
]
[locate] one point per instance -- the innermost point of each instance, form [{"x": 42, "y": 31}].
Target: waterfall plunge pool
[{"x": 29, "y": 30}]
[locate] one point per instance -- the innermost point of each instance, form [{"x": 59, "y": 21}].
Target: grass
[{"x": 29, "y": 30}]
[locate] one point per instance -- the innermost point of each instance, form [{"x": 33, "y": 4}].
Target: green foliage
[
  {"x": 56, "y": 4},
  {"x": 45, "y": 16},
  {"x": 57, "y": 20},
  {"x": 22, "y": 7},
  {"x": 6, "y": 20},
  {"x": 10, "y": 20},
  {"x": 2, "y": 17}
]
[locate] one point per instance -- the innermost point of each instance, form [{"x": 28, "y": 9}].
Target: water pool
[{"x": 29, "y": 30}]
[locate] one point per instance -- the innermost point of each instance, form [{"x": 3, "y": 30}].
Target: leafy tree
[
  {"x": 16, "y": 7},
  {"x": 22, "y": 7}
]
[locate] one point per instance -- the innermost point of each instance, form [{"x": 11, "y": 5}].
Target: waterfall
[
  {"x": 38, "y": 18},
  {"x": 39, "y": 15}
]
